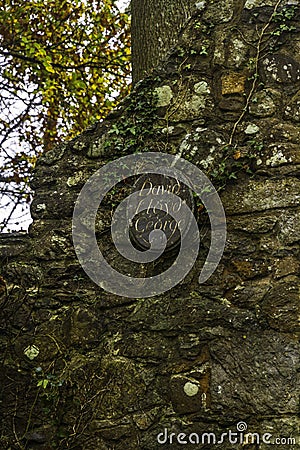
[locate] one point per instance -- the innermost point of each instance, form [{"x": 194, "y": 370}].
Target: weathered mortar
[{"x": 119, "y": 371}]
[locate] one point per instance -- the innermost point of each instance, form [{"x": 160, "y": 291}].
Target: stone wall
[{"x": 88, "y": 370}]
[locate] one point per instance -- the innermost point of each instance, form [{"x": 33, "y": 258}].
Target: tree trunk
[{"x": 155, "y": 28}]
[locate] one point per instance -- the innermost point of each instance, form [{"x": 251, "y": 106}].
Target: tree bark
[{"x": 155, "y": 28}]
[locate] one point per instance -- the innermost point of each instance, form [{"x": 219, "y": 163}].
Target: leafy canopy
[{"x": 62, "y": 65}]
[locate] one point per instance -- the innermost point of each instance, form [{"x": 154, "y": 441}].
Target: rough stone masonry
[{"x": 87, "y": 370}]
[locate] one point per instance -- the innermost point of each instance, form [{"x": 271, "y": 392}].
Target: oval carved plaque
[{"x": 153, "y": 217}]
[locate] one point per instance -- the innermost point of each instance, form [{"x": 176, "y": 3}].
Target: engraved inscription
[{"x": 155, "y": 214}]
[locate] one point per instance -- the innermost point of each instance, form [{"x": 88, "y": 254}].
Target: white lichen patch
[
  {"x": 185, "y": 145},
  {"x": 271, "y": 67},
  {"x": 164, "y": 95},
  {"x": 277, "y": 159},
  {"x": 256, "y": 3},
  {"x": 218, "y": 56},
  {"x": 252, "y": 129},
  {"x": 207, "y": 162},
  {"x": 288, "y": 68},
  {"x": 191, "y": 389},
  {"x": 197, "y": 103},
  {"x": 198, "y": 99},
  {"x": 265, "y": 103},
  {"x": 73, "y": 181},
  {"x": 200, "y": 5},
  {"x": 202, "y": 88},
  {"x": 238, "y": 51},
  {"x": 219, "y": 51},
  {"x": 59, "y": 241},
  {"x": 168, "y": 130},
  {"x": 79, "y": 145},
  {"x": 193, "y": 151},
  {"x": 293, "y": 109}
]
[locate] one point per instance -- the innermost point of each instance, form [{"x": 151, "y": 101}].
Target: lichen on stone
[
  {"x": 76, "y": 179},
  {"x": 276, "y": 159},
  {"x": 200, "y": 5},
  {"x": 164, "y": 95},
  {"x": 191, "y": 389},
  {"x": 251, "y": 129},
  {"x": 202, "y": 88},
  {"x": 250, "y": 4}
]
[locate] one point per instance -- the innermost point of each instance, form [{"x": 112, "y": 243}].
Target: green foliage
[
  {"x": 283, "y": 20},
  {"x": 234, "y": 163},
  {"x": 286, "y": 13},
  {"x": 49, "y": 382},
  {"x": 62, "y": 65},
  {"x": 136, "y": 127}
]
